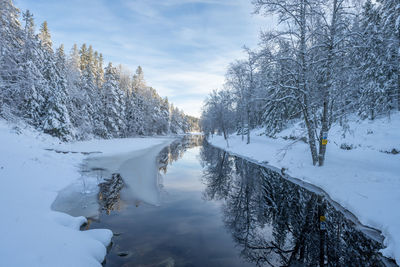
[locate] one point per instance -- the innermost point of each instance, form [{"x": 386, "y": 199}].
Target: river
[{"x": 216, "y": 209}]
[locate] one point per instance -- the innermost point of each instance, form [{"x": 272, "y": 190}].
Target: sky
[{"x": 183, "y": 46}]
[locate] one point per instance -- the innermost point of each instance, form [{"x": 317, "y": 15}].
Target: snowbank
[
  {"x": 138, "y": 168},
  {"x": 359, "y": 173},
  {"x": 31, "y": 174}
]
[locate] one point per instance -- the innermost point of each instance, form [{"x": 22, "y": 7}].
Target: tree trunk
[
  {"x": 242, "y": 130},
  {"x": 311, "y": 138},
  {"x": 324, "y": 133},
  {"x": 398, "y": 72},
  {"x": 327, "y": 87},
  {"x": 249, "y": 95},
  {"x": 225, "y": 136},
  {"x": 242, "y": 119},
  {"x": 398, "y": 86},
  {"x": 302, "y": 83},
  {"x": 248, "y": 125}
]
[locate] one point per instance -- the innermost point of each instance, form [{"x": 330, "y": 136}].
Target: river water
[{"x": 220, "y": 210}]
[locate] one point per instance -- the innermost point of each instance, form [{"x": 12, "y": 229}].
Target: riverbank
[
  {"x": 361, "y": 172},
  {"x": 34, "y": 167}
]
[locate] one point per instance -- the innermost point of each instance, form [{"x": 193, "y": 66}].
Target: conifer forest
[{"x": 72, "y": 94}]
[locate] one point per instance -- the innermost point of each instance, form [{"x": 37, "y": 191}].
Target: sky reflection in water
[{"x": 220, "y": 210}]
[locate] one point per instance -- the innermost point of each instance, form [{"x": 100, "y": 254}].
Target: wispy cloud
[{"x": 183, "y": 46}]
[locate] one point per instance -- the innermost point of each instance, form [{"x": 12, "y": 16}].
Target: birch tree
[
  {"x": 313, "y": 32},
  {"x": 298, "y": 15}
]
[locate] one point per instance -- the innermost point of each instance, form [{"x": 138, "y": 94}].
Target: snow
[
  {"x": 365, "y": 180},
  {"x": 79, "y": 198},
  {"x": 138, "y": 168},
  {"x": 31, "y": 175}
]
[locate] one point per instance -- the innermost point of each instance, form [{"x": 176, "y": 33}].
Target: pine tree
[
  {"x": 30, "y": 79},
  {"x": 74, "y": 59},
  {"x": 390, "y": 13},
  {"x": 10, "y": 45},
  {"x": 112, "y": 116},
  {"x": 57, "y": 120},
  {"x": 55, "y": 112},
  {"x": 45, "y": 38},
  {"x": 98, "y": 69},
  {"x": 84, "y": 58},
  {"x": 130, "y": 113},
  {"x": 138, "y": 79},
  {"x": 89, "y": 93},
  {"x": 74, "y": 93},
  {"x": 373, "y": 98},
  {"x": 10, "y": 32}
]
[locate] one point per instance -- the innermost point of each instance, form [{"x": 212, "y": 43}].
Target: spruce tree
[
  {"x": 373, "y": 98},
  {"x": 45, "y": 37},
  {"x": 390, "y": 14},
  {"x": 112, "y": 116},
  {"x": 30, "y": 79},
  {"x": 11, "y": 38},
  {"x": 56, "y": 118}
]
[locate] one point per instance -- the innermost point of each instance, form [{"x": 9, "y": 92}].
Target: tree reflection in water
[
  {"x": 109, "y": 193},
  {"x": 276, "y": 222},
  {"x": 176, "y": 150}
]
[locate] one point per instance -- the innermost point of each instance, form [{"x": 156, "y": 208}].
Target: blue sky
[{"x": 183, "y": 46}]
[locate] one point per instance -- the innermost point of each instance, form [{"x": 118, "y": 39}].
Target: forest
[
  {"x": 74, "y": 96},
  {"x": 326, "y": 62}
]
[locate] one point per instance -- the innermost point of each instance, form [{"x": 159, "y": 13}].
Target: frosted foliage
[
  {"x": 325, "y": 62},
  {"x": 74, "y": 97}
]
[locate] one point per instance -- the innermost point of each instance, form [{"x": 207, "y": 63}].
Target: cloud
[
  {"x": 143, "y": 8},
  {"x": 184, "y": 46}
]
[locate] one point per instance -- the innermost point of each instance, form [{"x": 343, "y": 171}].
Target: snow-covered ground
[
  {"x": 31, "y": 175},
  {"x": 358, "y": 174}
]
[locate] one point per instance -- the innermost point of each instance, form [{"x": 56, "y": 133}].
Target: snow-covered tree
[
  {"x": 219, "y": 106},
  {"x": 57, "y": 120},
  {"x": 10, "y": 46},
  {"x": 314, "y": 33},
  {"x": 72, "y": 98},
  {"x": 390, "y": 15},
  {"x": 326, "y": 60},
  {"x": 374, "y": 98},
  {"x": 31, "y": 83},
  {"x": 45, "y": 37},
  {"x": 113, "y": 118},
  {"x": 138, "y": 79}
]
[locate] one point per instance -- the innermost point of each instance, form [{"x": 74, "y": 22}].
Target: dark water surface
[{"x": 221, "y": 210}]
